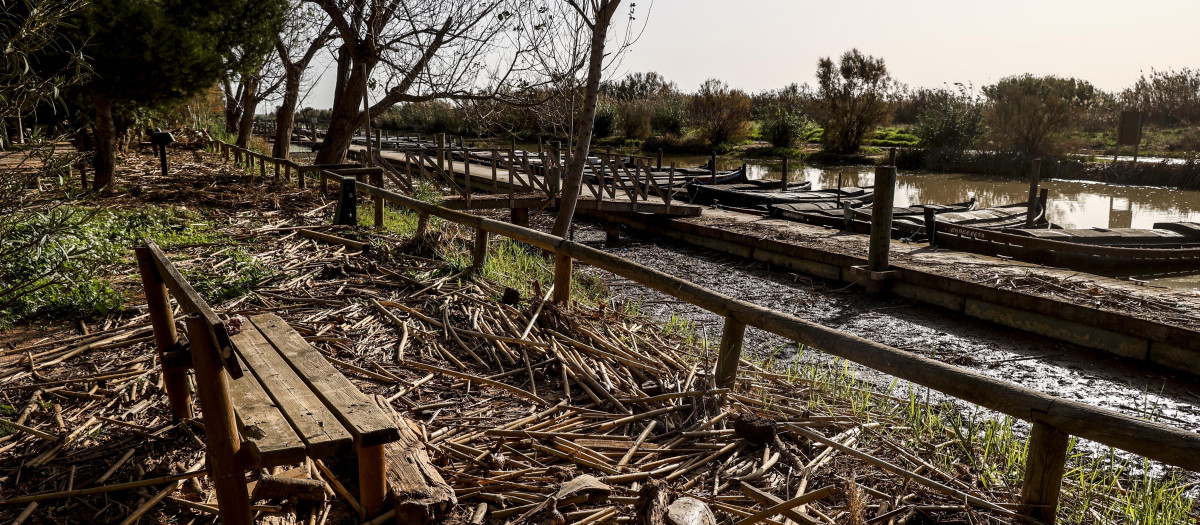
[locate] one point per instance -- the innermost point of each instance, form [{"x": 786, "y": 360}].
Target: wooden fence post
[
  {"x": 562, "y": 279},
  {"x": 347, "y": 206},
  {"x": 881, "y": 218},
  {"x": 300, "y": 178},
  {"x": 159, "y": 305},
  {"x": 377, "y": 181},
  {"x": 220, "y": 429},
  {"x": 730, "y": 352},
  {"x": 441, "y": 151},
  {"x": 1043, "y": 472},
  {"x": 479, "y": 254},
  {"x": 1035, "y": 171}
]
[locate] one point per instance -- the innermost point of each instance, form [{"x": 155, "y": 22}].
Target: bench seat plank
[
  {"x": 268, "y": 439},
  {"x": 319, "y": 429},
  {"x": 369, "y": 425}
]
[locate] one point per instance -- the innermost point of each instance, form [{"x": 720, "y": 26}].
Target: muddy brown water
[{"x": 1032, "y": 361}]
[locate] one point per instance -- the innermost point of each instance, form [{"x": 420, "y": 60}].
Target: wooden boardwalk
[{"x": 609, "y": 186}]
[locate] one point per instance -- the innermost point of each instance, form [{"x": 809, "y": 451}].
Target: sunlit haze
[{"x": 766, "y": 44}]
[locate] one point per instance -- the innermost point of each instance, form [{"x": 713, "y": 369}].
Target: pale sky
[{"x": 766, "y": 44}]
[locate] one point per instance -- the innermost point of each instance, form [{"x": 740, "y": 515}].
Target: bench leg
[
  {"x": 220, "y": 428},
  {"x": 163, "y": 322},
  {"x": 372, "y": 479}
]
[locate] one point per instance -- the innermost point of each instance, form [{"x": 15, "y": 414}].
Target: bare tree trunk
[
  {"x": 285, "y": 118},
  {"x": 573, "y": 181},
  {"x": 106, "y": 142},
  {"x": 249, "y": 104},
  {"x": 346, "y": 116},
  {"x": 233, "y": 109}
]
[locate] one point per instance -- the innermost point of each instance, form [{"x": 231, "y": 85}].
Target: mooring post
[
  {"x": 1043, "y": 472},
  {"x": 441, "y": 151},
  {"x": 378, "y": 139},
  {"x": 712, "y": 163},
  {"x": 931, "y": 226},
  {"x": 730, "y": 351},
  {"x": 220, "y": 429},
  {"x": 158, "y": 304},
  {"x": 1035, "y": 172},
  {"x": 1043, "y": 196},
  {"x": 660, "y": 156},
  {"x": 347, "y": 208},
  {"x": 562, "y": 279},
  {"x": 838, "y": 196},
  {"x": 466, "y": 175},
  {"x": 783, "y": 181},
  {"x": 881, "y": 218}
]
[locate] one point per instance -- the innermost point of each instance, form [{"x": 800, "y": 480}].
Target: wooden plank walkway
[{"x": 624, "y": 191}]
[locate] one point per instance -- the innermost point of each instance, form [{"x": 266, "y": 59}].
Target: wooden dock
[{"x": 523, "y": 184}]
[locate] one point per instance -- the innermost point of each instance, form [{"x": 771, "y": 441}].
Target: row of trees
[{"x": 853, "y": 96}]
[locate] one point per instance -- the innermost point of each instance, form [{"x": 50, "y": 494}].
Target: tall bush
[
  {"x": 721, "y": 114},
  {"x": 854, "y": 99},
  {"x": 1033, "y": 115},
  {"x": 951, "y": 121}
]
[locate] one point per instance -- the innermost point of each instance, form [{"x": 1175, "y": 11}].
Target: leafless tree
[
  {"x": 582, "y": 36},
  {"x": 305, "y": 33},
  {"x": 415, "y": 50}
]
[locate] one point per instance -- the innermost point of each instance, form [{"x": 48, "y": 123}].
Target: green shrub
[
  {"x": 634, "y": 118},
  {"x": 784, "y": 128},
  {"x": 668, "y": 115},
  {"x": 605, "y": 123},
  {"x": 721, "y": 115},
  {"x": 951, "y": 122}
]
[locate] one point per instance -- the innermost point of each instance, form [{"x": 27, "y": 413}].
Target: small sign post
[{"x": 1129, "y": 133}]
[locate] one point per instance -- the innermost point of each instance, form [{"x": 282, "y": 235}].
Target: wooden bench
[{"x": 268, "y": 397}]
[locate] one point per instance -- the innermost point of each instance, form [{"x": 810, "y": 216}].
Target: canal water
[{"x": 1072, "y": 204}]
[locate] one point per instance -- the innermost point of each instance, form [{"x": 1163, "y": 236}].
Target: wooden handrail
[
  {"x": 1153, "y": 440},
  {"x": 1157, "y": 441}
]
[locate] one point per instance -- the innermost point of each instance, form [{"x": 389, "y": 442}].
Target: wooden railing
[{"x": 1053, "y": 419}]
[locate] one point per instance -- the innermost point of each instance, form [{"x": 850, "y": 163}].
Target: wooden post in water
[
  {"x": 660, "y": 156},
  {"x": 730, "y": 351},
  {"x": 220, "y": 429},
  {"x": 931, "y": 226},
  {"x": 562, "y": 279},
  {"x": 1043, "y": 196},
  {"x": 712, "y": 163},
  {"x": 881, "y": 218},
  {"x": 1034, "y": 178},
  {"x": 1043, "y": 472},
  {"x": 838, "y": 195},
  {"x": 378, "y": 139},
  {"x": 783, "y": 181},
  {"x": 165, "y": 338}
]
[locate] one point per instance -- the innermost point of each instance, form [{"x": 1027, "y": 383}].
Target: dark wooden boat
[
  {"x": 1161, "y": 235},
  {"x": 995, "y": 218},
  {"x": 748, "y": 198},
  {"x": 1030, "y": 246},
  {"x": 834, "y": 214}
]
